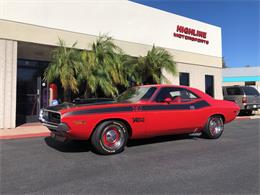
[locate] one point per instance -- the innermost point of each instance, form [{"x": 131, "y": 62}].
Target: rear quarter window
[
  {"x": 250, "y": 91},
  {"x": 234, "y": 91}
]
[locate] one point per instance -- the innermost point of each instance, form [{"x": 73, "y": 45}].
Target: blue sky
[{"x": 239, "y": 20}]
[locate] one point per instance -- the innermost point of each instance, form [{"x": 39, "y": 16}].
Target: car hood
[{"x": 70, "y": 107}]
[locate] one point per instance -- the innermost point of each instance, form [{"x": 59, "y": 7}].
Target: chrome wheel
[
  {"x": 112, "y": 137},
  {"x": 216, "y": 126}
]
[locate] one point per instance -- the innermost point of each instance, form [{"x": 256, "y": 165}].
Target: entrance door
[{"x": 31, "y": 93}]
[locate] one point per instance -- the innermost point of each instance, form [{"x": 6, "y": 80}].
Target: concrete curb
[
  {"x": 28, "y": 130},
  {"x": 21, "y": 136}
]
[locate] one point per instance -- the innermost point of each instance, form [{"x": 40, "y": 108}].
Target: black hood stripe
[
  {"x": 100, "y": 111},
  {"x": 193, "y": 106}
]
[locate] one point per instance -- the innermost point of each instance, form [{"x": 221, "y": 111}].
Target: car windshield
[
  {"x": 250, "y": 91},
  {"x": 136, "y": 94}
]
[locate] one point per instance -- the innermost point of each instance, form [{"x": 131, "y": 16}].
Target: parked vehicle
[
  {"x": 140, "y": 112},
  {"x": 246, "y": 97}
]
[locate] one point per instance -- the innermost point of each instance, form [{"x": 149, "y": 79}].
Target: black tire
[
  {"x": 249, "y": 112},
  {"x": 110, "y": 137},
  {"x": 214, "y": 127}
]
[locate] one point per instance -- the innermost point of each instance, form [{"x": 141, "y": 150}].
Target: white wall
[
  {"x": 197, "y": 77},
  {"x": 8, "y": 71},
  {"x": 124, "y": 20}
]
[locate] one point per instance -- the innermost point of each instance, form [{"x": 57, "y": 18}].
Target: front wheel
[
  {"x": 214, "y": 127},
  {"x": 109, "y": 137}
]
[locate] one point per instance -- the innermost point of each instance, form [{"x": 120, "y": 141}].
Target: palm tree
[
  {"x": 131, "y": 69},
  {"x": 65, "y": 66},
  {"x": 149, "y": 68},
  {"x": 224, "y": 65},
  {"x": 94, "y": 76},
  {"x": 103, "y": 67}
]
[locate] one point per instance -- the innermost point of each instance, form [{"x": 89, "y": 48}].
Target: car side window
[
  {"x": 250, "y": 91},
  {"x": 177, "y": 95}
]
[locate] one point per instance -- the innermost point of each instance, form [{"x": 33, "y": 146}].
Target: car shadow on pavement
[
  {"x": 68, "y": 146},
  {"x": 85, "y": 146},
  {"x": 160, "y": 139},
  {"x": 245, "y": 114}
]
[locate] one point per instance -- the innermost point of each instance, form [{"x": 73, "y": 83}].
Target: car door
[{"x": 182, "y": 114}]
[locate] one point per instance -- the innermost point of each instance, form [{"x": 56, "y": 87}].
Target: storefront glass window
[
  {"x": 184, "y": 78},
  {"x": 209, "y": 85}
]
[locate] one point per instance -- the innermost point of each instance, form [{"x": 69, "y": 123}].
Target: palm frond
[
  {"x": 150, "y": 66},
  {"x": 65, "y": 66}
]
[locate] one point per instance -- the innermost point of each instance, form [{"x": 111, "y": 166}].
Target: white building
[{"x": 30, "y": 29}]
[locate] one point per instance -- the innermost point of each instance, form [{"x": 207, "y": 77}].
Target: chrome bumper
[
  {"x": 59, "y": 129},
  {"x": 252, "y": 106}
]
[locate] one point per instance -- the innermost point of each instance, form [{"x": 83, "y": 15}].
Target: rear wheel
[
  {"x": 214, "y": 127},
  {"x": 109, "y": 137}
]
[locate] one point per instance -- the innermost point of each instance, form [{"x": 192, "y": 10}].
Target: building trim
[
  {"x": 241, "y": 79},
  {"x": 179, "y": 62},
  {"x": 118, "y": 40}
]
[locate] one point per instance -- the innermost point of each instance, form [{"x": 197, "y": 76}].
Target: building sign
[{"x": 191, "y": 34}]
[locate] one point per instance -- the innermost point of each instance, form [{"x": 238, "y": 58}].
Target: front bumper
[
  {"x": 61, "y": 129},
  {"x": 252, "y": 106}
]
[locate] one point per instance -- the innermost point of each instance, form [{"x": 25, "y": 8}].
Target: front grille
[{"x": 52, "y": 117}]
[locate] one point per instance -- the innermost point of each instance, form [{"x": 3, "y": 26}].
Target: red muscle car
[{"x": 140, "y": 112}]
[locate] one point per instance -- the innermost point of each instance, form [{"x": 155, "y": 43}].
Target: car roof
[
  {"x": 238, "y": 86},
  {"x": 194, "y": 90}
]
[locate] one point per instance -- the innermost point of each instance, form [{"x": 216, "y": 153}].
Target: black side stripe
[
  {"x": 197, "y": 105},
  {"x": 193, "y": 106}
]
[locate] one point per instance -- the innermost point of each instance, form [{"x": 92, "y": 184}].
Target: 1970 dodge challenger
[{"x": 140, "y": 112}]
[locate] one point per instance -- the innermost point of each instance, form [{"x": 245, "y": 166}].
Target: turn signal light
[
  {"x": 79, "y": 122},
  {"x": 244, "y": 100}
]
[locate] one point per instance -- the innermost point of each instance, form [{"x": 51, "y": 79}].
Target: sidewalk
[
  {"x": 25, "y": 131},
  {"x": 29, "y": 130}
]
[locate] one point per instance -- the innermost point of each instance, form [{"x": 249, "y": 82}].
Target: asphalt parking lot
[{"x": 172, "y": 164}]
